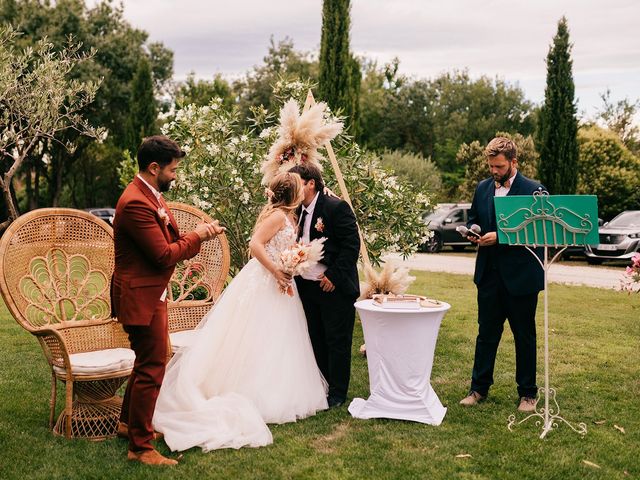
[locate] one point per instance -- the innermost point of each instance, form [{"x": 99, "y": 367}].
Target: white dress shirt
[
  {"x": 158, "y": 195},
  {"x": 319, "y": 268}
]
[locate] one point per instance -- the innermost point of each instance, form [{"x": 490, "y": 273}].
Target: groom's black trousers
[{"x": 330, "y": 318}]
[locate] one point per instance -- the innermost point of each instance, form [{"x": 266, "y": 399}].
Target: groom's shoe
[
  {"x": 123, "y": 432},
  {"x": 151, "y": 457},
  {"x": 335, "y": 401}
]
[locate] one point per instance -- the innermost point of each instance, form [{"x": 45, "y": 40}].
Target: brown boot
[
  {"x": 472, "y": 399},
  {"x": 123, "y": 432},
  {"x": 150, "y": 457},
  {"x": 527, "y": 404}
]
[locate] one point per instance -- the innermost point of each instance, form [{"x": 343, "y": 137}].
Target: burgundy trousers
[{"x": 150, "y": 344}]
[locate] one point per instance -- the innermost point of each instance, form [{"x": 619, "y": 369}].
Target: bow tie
[{"x": 506, "y": 184}]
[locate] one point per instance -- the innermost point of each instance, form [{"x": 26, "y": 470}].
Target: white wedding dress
[{"x": 251, "y": 364}]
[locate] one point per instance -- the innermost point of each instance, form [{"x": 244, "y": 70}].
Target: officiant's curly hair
[{"x": 286, "y": 194}]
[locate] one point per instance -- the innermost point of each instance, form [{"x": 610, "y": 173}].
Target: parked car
[
  {"x": 443, "y": 221},
  {"x": 105, "y": 214},
  {"x": 619, "y": 238}
]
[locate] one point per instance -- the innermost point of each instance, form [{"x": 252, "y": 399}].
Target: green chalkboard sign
[{"x": 547, "y": 220}]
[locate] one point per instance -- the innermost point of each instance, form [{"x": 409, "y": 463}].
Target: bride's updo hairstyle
[{"x": 284, "y": 192}]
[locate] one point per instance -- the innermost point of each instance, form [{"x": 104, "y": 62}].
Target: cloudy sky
[{"x": 505, "y": 38}]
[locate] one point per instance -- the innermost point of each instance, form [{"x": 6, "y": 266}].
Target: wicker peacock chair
[
  {"x": 55, "y": 277},
  {"x": 198, "y": 282}
]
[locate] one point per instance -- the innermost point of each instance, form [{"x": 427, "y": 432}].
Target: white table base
[{"x": 400, "y": 348}]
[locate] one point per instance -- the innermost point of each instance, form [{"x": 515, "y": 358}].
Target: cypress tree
[
  {"x": 143, "y": 104},
  {"x": 558, "y": 127},
  {"x": 339, "y": 78}
]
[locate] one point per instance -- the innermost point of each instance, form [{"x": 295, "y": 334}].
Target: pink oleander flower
[
  {"x": 299, "y": 258},
  {"x": 630, "y": 281}
]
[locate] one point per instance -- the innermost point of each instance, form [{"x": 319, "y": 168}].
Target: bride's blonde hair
[{"x": 285, "y": 193}]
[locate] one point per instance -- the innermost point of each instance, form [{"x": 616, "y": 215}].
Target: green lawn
[{"x": 595, "y": 358}]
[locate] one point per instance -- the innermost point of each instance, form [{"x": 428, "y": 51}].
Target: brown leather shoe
[
  {"x": 151, "y": 457},
  {"x": 472, "y": 399},
  {"x": 123, "y": 432},
  {"x": 527, "y": 404}
]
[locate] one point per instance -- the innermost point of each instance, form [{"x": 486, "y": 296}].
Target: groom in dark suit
[
  {"x": 508, "y": 281},
  {"x": 328, "y": 292}
]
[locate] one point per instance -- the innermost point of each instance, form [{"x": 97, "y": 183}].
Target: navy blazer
[
  {"x": 342, "y": 244},
  {"x": 520, "y": 271}
]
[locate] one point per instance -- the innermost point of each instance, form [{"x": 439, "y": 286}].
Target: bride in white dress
[{"x": 252, "y": 362}]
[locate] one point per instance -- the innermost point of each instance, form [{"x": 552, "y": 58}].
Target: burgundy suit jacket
[{"x": 147, "y": 249}]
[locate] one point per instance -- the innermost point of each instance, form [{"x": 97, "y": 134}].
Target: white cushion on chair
[
  {"x": 100, "y": 361},
  {"x": 182, "y": 339}
]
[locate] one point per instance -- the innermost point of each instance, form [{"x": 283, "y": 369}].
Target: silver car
[{"x": 619, "y": 239}]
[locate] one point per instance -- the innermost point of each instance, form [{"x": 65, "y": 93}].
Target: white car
[{"x": 619, "y": 238}]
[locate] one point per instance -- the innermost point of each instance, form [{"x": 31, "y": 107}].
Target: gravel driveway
[{"x": 598, "y": 277}]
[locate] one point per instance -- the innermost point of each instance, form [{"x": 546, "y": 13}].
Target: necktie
[
  {"x": 506, "y": 184},
  {"x": 303, "y": 217}
]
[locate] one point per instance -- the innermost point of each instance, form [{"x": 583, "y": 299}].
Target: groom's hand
[{"x": 325, "y": 284}]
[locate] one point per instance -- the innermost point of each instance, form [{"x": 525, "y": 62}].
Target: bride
[{"x": 252, "y": 361}]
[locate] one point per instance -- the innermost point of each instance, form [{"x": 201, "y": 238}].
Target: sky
[{"x": 508, "y": 39}]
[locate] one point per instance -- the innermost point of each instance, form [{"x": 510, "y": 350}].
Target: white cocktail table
[{"x": 400, "y": 348}]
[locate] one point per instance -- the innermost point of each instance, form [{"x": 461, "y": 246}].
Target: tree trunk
[
  {"x": 36, "y": 187},
  {"x": 58, "y": 187},
  {"x": 27, "y": 185},
  {"x": 12, "y": 209}
]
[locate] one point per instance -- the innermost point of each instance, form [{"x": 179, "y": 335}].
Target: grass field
[{"x": 595, "y": 365}]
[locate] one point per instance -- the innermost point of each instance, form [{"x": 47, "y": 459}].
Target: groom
[
  {"x": 147, "y": 248},
  {"x": 329, "y": 290}
]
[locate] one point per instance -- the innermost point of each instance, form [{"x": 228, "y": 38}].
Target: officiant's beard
[{"x": 503, "y": 178}]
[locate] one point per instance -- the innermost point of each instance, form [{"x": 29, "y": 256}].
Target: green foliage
[
  {"x": 39, "y": 103},
  {"x": 119, "y": 49},
  {"x": 435, "y": 116},
  {"x": 471, "y": 156},
  {"x": 221, "y": 175},
  {"x": 558, "y": 129},
  {"x": 339, "y": 74},
  {"x": 127, "y": 169},
  {"x": 609, "y": 170},
  {"x": 414, "y": 169},
  {"x": 619, "y": 117},
  {"x": 143, "y": 104},
  {"x": 200, "y": 92},
  {"x": 282, "y": 64}
]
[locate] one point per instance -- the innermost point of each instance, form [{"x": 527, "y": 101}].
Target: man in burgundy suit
[{"x": 147, "y": 248}]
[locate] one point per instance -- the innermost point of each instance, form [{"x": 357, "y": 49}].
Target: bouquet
[
  {"x": 631, "y": 277},
  {"x": 299, "y": 258}
]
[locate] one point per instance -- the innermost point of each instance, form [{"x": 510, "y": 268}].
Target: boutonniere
[
  {"x": 319, "y": 226},
  {"x": 162, "y": 213}
]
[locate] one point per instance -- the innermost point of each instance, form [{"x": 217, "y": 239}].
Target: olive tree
[{"x": 38, "y": 102}]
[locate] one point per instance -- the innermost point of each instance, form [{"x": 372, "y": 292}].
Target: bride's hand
[
  {"x": 327, "y": 191},
  {"x": 282, "y": 277}
]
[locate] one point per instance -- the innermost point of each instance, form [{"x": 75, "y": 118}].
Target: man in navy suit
[
  {"x": 328, "y": 291},
  {"x": 508, "y": 281}
]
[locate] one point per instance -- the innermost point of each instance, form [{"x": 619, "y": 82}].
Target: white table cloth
[{"x": 400, "y": 348}]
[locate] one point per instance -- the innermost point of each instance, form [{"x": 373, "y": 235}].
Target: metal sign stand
[{"x": 547, "y": 221}]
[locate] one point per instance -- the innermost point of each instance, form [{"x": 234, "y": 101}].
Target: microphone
[{"x": 474, "y": 231}]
